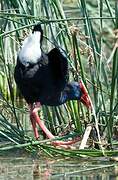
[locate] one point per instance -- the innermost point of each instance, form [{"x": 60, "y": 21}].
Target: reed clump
[{"x": 87, "y": 31}]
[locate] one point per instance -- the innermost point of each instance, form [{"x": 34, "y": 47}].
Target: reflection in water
[{"x": 25, "y": 168}]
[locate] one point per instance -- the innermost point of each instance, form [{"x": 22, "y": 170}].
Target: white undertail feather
[{"x": 30, "y": 51}]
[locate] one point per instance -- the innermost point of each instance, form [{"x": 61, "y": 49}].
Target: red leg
[
  {"x": 35, "y": 116},
  {"x": 85, "y": 98},
  {"x": 36, "y": 134},
  {"x": 41, "y": 123},
  {"x": 33, "y": 123}
]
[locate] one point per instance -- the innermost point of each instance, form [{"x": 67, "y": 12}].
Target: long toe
[{"x": 66, "y": 144}]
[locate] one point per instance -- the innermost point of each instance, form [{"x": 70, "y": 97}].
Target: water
[{"x": 22, "y": 166}]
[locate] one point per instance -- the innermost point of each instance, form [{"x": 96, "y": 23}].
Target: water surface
[{"x": 21, "y": 166}]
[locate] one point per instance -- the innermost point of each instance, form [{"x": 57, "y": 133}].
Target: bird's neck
[{"x": 31, "y": 49}]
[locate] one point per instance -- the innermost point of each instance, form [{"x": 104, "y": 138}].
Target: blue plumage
[{"x": 71, "y": 92}]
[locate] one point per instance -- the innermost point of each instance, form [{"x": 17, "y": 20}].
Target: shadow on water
[{"x": 20, "y": 166}]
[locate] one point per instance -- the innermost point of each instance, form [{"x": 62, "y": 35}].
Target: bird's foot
[
  {"x": 58, "y": 145},
  {"x": 66, "y": 144}
]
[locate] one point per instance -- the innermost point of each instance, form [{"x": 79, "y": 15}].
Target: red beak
[{"x": 85, "y": 98}]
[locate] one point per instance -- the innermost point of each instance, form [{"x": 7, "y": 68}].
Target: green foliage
[{"x": 91, "y": 45}]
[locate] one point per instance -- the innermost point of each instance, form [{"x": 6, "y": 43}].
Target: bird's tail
[
  {"x": 38, "y": 30},
  {"x": 85, "y": 98}
]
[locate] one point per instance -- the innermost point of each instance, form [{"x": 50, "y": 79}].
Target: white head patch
[{"x": 30, "y": 51}]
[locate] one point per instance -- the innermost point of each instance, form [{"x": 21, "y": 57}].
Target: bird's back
[{"x": 43, "y": 81}]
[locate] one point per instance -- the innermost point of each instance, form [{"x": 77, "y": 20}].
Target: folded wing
[{"x": 59, "y": 68}]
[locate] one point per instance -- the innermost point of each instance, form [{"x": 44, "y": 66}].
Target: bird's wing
[{"x": 59, "y": 67}]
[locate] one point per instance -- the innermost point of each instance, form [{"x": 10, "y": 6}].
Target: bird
[{"x": 43, "y": 79}]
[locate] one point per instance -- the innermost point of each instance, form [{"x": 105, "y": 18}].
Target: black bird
[{"x": 43, "y": 79}]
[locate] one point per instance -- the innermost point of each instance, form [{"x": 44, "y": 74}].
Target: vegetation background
[{"x": 87, "y": 31}]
